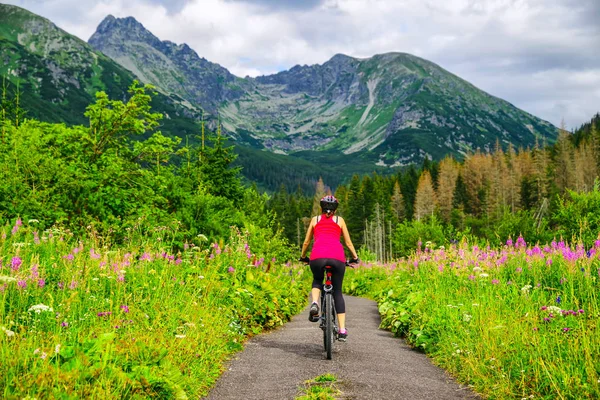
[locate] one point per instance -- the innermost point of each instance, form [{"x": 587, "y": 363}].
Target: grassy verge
[
  {"x": 80, "y": 320},
  {"x": 514, "y": 322},
  {"x": 320, "y": 388}
]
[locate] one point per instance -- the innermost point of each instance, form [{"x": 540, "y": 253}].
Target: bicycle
[{"x": 328, "y": 313}]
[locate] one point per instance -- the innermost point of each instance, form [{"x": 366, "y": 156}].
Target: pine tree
[
  {"x": 564, "y": 164},
  {"x": 320, "y": 192},
  {"x": 425, "y": 197},
  {"x": 220, "y": 178},
  {"x": 447, "y": 182},
  {"x": 397, "y": 203}
]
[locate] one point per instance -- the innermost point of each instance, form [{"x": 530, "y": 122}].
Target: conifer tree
[
  {"x": 425, "y": 197},
  {"x": 397, "y": 203},
  {"x": 320, "y": 192},
  {"x": 447, "y": 182},
  {"x": 564, "y": 164}
]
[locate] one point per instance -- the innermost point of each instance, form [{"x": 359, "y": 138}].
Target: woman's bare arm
[
  {"x": 347, "y": 240},
  {"x": 308, "y": 238}
]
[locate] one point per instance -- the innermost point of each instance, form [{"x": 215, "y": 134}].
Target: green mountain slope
[
  {"x": 391, "y": 109},
  {"x": 58, "y": 74}
]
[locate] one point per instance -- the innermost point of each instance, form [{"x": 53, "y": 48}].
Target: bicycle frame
[{"x": 328, "y": 314}]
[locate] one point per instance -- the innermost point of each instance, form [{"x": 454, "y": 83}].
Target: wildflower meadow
[
  {"x": 84, "y": 319},
  {"x": 520, "y": 321}
]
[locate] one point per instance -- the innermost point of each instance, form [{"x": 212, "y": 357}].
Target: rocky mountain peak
[{"x": 113, "y": 29}]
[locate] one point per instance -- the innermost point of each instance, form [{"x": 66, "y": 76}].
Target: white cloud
[{"x": 542, "y": 56}]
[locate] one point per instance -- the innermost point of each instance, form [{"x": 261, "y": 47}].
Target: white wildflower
[
  {"x": 554, "y": 310},
  {"x": 477, "y": 269},
  {"x": 483, "y": 275},
  {"x": 33, "y": 221},
  {"x": 180, "y": 336},
  {"x": 525, "y": 289},
  {"x": 57, "y": 348},
  {"x": 38, "y": 308},
  {"x": 475, "y": 305},
  {"x": 4, "y": 278},
  {"x": 8, "y": 332},
  {"x": 458, "y": 351},
  {"x": 202, "y": 237},
  {"x": 467, "y": 317}
]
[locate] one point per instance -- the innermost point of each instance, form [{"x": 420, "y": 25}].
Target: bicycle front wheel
[{"x": 329, "y": 326}]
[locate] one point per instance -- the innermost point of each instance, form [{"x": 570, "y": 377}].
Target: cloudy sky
[{"x": 541, "y": 55}]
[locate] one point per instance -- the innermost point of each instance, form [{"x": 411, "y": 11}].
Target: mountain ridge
[{"x": 391, "y": 109}]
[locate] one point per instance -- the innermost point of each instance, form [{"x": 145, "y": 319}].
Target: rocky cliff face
[{"x": 173, "y": 68}]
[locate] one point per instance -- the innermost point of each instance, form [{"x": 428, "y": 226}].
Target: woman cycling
[{"x": 327, "y": 250}]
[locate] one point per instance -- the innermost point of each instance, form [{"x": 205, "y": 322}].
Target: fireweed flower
[
  {"x": 125, "y": 308},
  {"x": 231, "y": 270},
  {"x": 22, "y": 284},
  {"x": 41, "y": 283},
  {"x": 15, "y": 263}
]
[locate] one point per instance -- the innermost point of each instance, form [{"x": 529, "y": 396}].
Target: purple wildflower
[
  {"x": 41, "y": 283},
  {"x": 566, "y": 329},
  {"x": 495, "y": 281},
  {"x": 472, "y": 277},
  {"x": 64, "y": 324},
  {"x": 18, "y": 224},
  {"x": 22, "y": 284},
  {"x": 125, "y": 308},
  {"x": 73, "y": 285},
  {"x": 231, "y": 270},
  {"x": 15, "y": 263},
  {"x": 558, "y": 300}
]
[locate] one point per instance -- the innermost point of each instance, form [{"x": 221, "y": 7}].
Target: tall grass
[
  {"x": 515, "y": 322},
  {"x": 81, "y": 319}
]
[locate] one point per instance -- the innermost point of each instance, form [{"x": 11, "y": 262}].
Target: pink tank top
[{"x": 327, "y": 240}]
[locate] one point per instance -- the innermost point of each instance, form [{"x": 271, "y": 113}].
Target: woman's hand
[{"x": 305, "y": 260}]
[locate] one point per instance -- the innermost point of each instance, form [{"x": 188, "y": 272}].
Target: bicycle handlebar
[{"x": 349, "y": 263}]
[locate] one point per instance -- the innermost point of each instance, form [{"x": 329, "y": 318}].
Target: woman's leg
[
  {"x": 339, "y": 268},
  {"x": 318, "y": 270}
]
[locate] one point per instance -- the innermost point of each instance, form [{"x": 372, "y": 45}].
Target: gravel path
[{"x": 371, "y": 365}]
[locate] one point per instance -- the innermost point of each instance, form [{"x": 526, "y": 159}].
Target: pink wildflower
[{"x": 15, "y": 263}]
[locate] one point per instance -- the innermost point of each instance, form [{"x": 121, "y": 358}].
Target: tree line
[{"x": 488, "y": 196}]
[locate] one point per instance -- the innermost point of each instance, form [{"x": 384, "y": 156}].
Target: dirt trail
[{"x": 371, "y": 365}]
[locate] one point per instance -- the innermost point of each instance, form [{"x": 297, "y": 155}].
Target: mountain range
[{"x": 348, "y": 115}]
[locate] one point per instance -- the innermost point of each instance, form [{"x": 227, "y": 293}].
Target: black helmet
[{"x": 329, "y": 203}]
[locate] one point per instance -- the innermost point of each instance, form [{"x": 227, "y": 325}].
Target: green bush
[{"x": 577, "y": 218}]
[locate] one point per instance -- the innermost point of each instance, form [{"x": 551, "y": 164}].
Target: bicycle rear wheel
[{"x": 329, "y": 326}]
